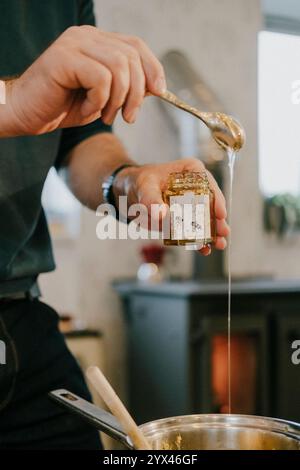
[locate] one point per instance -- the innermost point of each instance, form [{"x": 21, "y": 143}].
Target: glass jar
[{"x": 192, "y": 214}]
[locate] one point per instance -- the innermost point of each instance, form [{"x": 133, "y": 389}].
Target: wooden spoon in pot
[{"x": 113, "y": 402}]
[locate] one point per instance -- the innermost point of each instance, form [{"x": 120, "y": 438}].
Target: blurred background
[{"x": 167, "y": 339}]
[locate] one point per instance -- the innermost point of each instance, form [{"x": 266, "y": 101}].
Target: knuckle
[
  {"x": 87, "y": 27},
  {"x": 133, "y": 55},
  {"x": 135, "y": 100},
  {"x": 60, "y": 53},
  {"x": 136, "y": 41},
  {"x": 104, "y": 94},
  {"x": 119, "y": 60},
  {"x": 122, "y": 83},
  {"x": 72, "y": 31},
  {"x": 116, "y": 102},
  {"x": 103, "y": 99},
  {"x": 94, "y": 96},
  {"x": 105, "y": 77}
]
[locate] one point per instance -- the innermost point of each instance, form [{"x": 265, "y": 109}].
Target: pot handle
[{"x": 100, "y": 419}]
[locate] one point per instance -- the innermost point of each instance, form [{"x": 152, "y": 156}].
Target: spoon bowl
[{"x": 225, "y": 129}]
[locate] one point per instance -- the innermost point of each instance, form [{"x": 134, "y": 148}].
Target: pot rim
[{"x": 288, "y": 428}]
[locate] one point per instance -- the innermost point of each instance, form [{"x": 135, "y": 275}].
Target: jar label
[{"x": 190, "y": 216}]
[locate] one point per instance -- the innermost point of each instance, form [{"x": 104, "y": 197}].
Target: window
[{"x": 279, "y": 118}]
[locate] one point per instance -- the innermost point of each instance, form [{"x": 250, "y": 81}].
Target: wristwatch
[{"x": 107, "y": 187}]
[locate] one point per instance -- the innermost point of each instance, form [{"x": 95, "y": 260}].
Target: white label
[
  {"x": 190, "y": 217},
  {"x": 207, "y": 221}
]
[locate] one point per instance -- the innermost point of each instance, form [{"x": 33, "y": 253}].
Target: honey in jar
[{"x": 192, "y": 216}]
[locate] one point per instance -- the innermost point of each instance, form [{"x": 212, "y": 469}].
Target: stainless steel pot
[
  {"x": 222, "y": 432},
  {"x": 194, "y": 432}
]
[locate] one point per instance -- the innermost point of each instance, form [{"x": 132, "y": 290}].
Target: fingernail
[
  {"x": 160, "y": 85},
  {"x": 109, "y": 119},
  {"x": 131, "y": 117}
]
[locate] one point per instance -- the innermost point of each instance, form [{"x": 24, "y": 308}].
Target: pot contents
[{"x": 166, "y": 445}]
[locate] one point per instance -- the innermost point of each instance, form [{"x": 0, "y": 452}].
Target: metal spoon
[{"x": 226, "y": 131}]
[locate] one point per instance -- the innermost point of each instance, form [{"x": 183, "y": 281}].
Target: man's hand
[
  {"x": 145, "y": 184},
  {"x": 86, "y": 73}
]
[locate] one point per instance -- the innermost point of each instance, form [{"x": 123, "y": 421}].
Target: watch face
[
  {"x": 108, "y": 184},
  {"x": 107, "y": 188}
]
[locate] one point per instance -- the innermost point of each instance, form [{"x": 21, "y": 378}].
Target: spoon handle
[
  {"x": 169, "y": 97},
  {"x": 98, "y": 418},
  {"x": 115, "y": 405}
]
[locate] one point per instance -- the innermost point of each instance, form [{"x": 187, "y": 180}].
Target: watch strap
[{"x": 107, "y": 187}]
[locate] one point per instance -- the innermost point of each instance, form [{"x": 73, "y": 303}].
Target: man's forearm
[{"x": 90, "y": 163}]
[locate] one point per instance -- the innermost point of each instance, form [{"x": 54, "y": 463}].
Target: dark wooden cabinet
[{"x": 172, "y": 331}]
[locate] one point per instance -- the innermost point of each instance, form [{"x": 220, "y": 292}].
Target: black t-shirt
[{"x": 27, "y": 28}]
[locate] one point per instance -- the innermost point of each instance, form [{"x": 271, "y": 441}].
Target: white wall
[{"x": 219, "y": 36}]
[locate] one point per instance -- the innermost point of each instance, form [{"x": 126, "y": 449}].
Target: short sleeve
[
  {"x": 70, "y": 137},
  {"x": 86, "y": 13}
]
